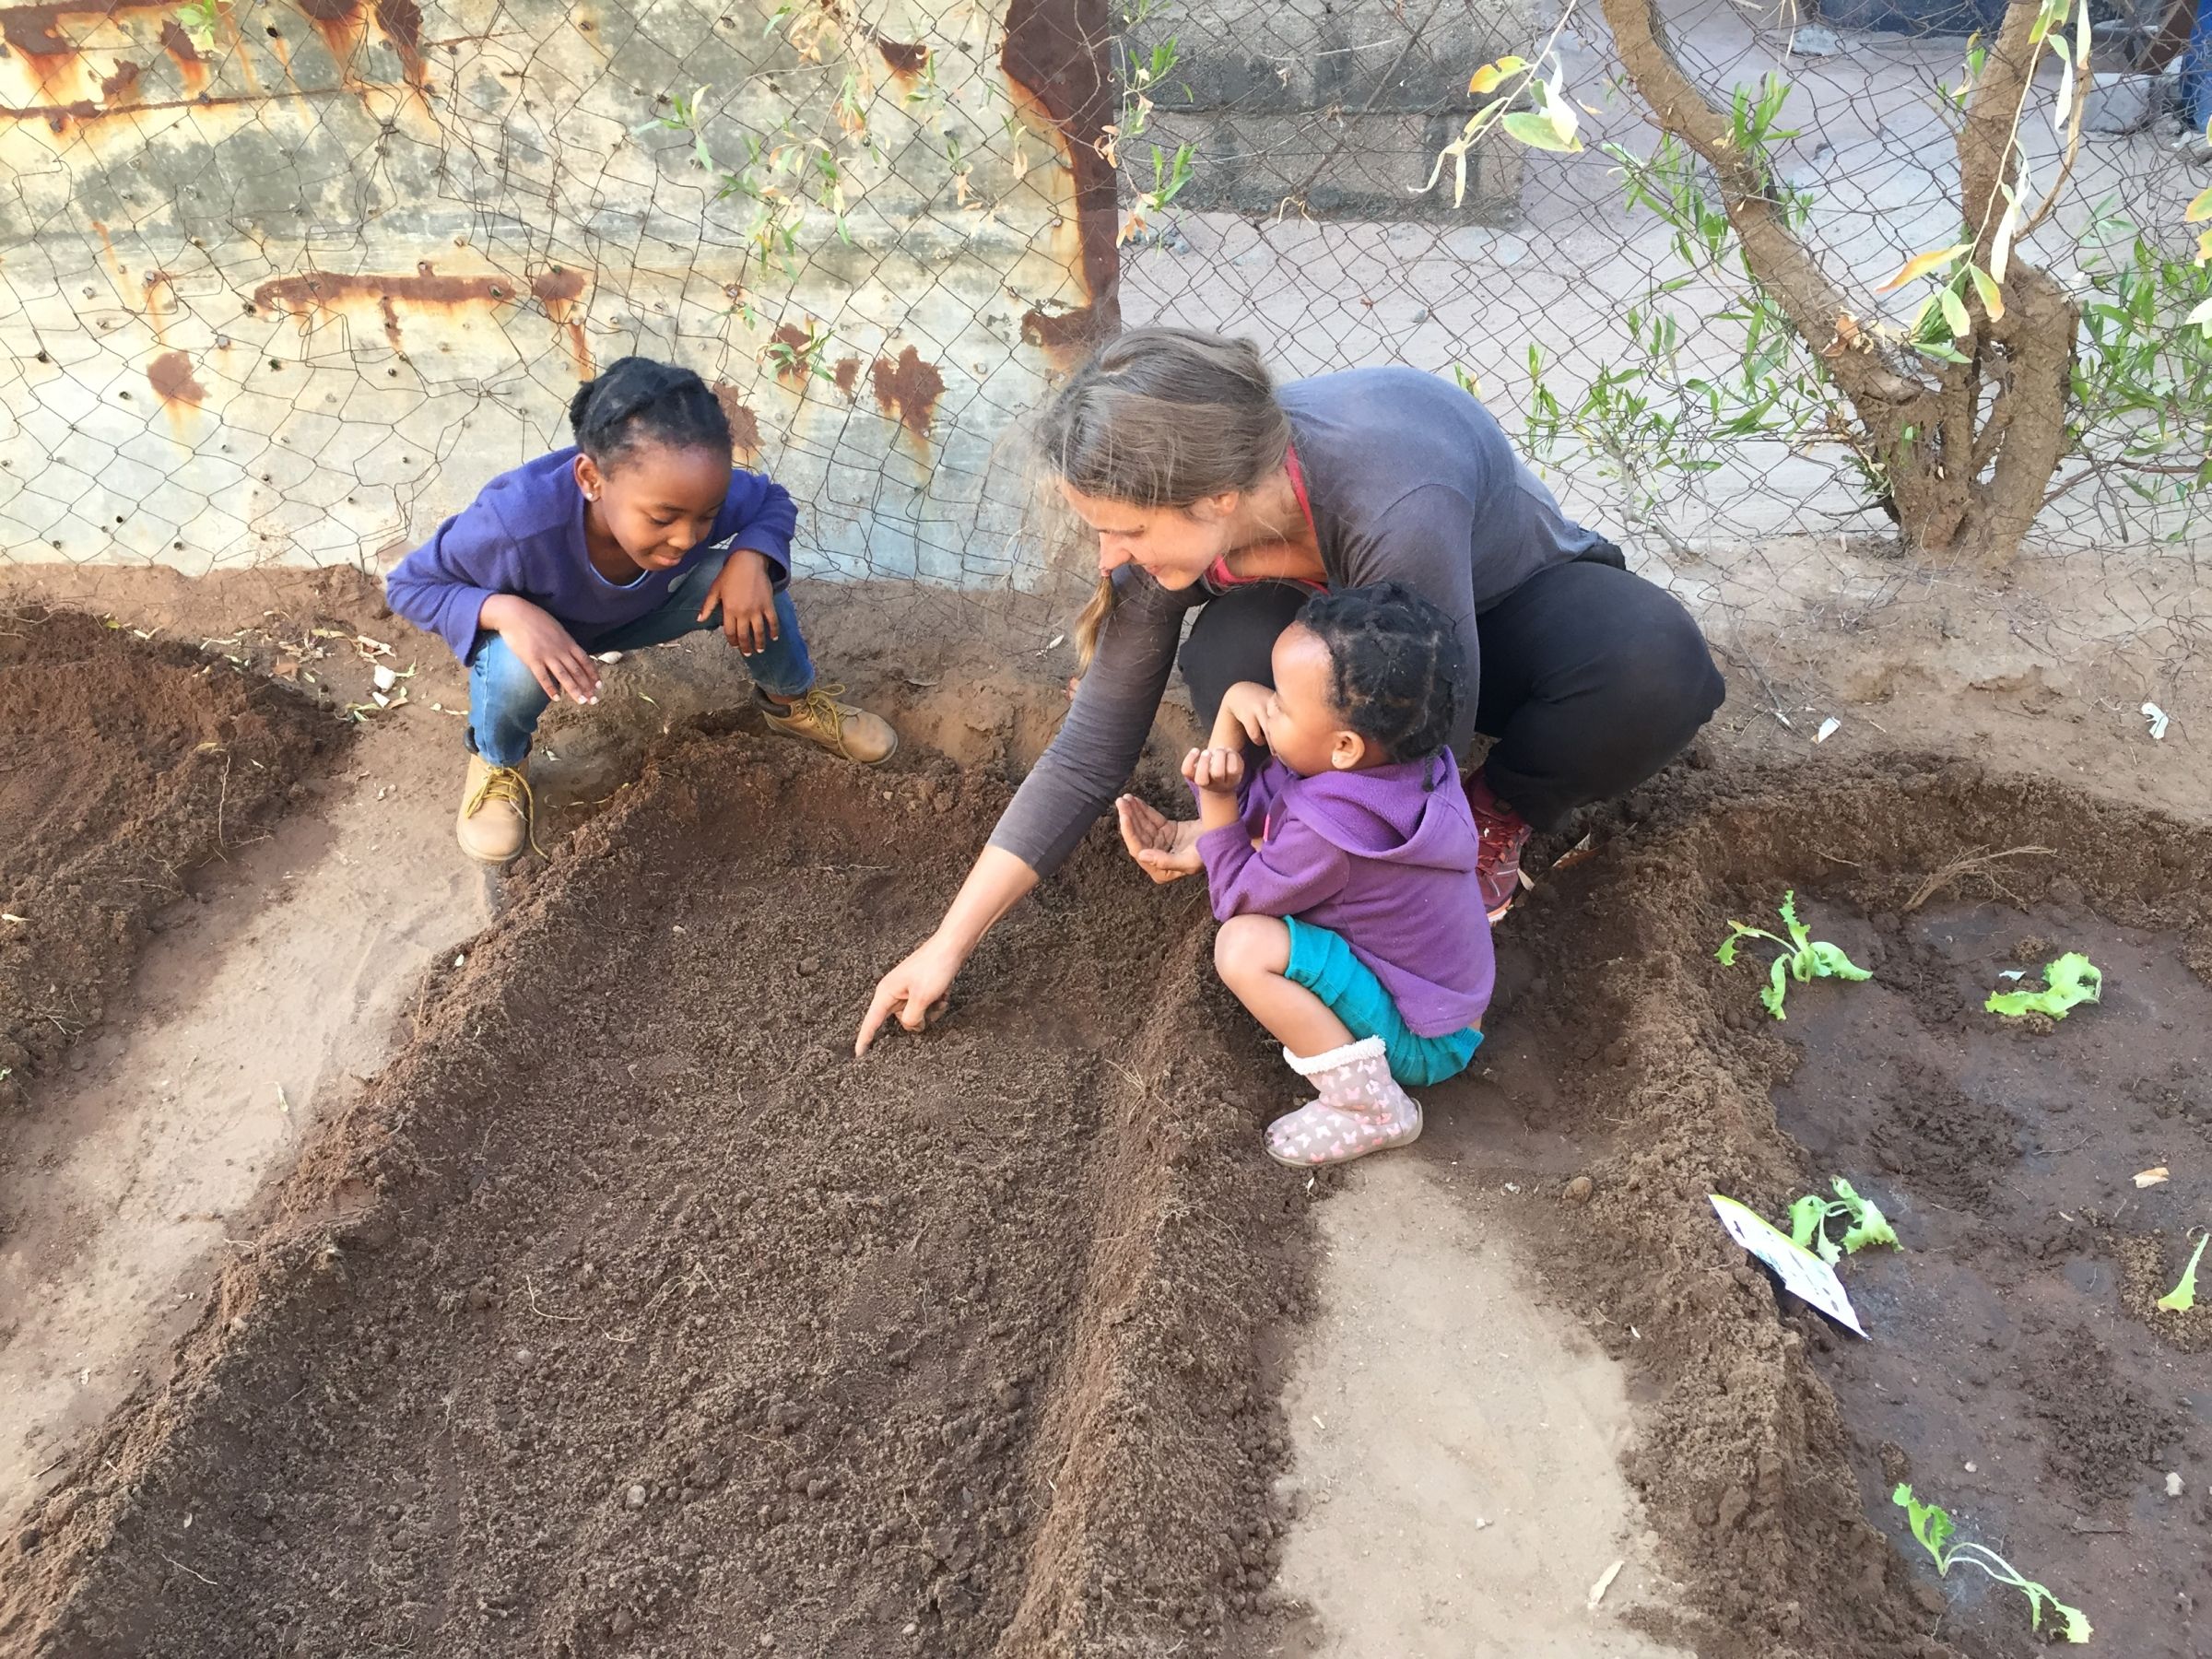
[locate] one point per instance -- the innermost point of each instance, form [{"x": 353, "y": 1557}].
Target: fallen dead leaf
[
  {"x": 2150, "y": 1178},
  {"x": 1605, "y": 1583}
]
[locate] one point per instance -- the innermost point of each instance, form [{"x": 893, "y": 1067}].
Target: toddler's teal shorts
[{"x": 1324, "y": 964}]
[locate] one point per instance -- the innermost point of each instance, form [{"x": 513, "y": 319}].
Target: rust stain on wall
[
  {"x": 1065, "y": 337},
  {"x": 1055, "y": 61},
  {"x": 906, "y": 59},
  {"x": 58, "y": 71},
  {"x": 159, "y": 286},
  {"x": 556, "y": 290},
  {"x": 908, "y": 388},
  {"x": 121, "y": 84},
  {"x": 744, "y": 425},
  {"x": 174, "y": 382},
  {"x": 339, "y": 24},
  {"x": 847, "y": 374},
  {"x": 790, "y": 364},
  {"x": 401, "y": 21},
  {"x": 107, "y": 247},
  {"x": 186, "y": 57}
]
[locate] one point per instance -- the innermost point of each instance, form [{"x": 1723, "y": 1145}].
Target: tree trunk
[{"x": 1925, "y": 423}]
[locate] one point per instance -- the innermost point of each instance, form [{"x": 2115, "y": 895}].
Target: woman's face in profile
[{"x": 1172, "y": 545}]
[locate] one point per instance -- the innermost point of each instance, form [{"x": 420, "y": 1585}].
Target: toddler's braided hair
[
  {"x": 636, "y": 401},
  {"x": 1399, "y": 673}
]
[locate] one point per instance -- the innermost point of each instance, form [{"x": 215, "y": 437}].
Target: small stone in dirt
[
  {"x": 2173, "y": 1483},
  {"x": 524, "y": 1358},
  {"x": 635, "y": 1497},
  {"x": 1579, "y": 1190},
  {"x": 810, "y": 966}
]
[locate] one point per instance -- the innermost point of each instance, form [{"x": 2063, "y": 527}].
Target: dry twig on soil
[{"x": 1964, "y": 864}]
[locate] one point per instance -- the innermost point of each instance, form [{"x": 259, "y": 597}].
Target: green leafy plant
[
  {"x": 1865, "y": 1224},
  {"x": 1934, "y": 1528},
  {"x": 2067, "y": 983},
  {"x": 800, "y": 358},
  {"x": 198, "y": 21},
  {"x": 1804, "y": 958},
  {"x": 1931, "y": 405},
  {"x": 2183, "y": 1297}
]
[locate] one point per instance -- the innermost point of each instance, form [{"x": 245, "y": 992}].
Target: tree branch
[
  {"x": 1781, "y": 264},
  {"x": 1993, "y": 116}
]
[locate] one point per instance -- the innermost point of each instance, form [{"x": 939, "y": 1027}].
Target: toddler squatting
[{"x": 1343, "y": 869}]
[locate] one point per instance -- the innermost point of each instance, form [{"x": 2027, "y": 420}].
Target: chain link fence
[{"x": 284, "y": 281}]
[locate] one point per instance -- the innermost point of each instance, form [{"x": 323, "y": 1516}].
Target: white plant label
[{"x": 1804, "y": 1275}]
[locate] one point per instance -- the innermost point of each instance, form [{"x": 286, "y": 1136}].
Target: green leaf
[
  {"x": 2183, "y": 1297},
  {"x": 2069, "y": 982},
  {"x": 1800, "y": 934},
  {"x": 1777, "y": 987},
  {"x": 1726, "y": 953},
  {"x": 1954, "y": 314},
  {"x": 1868, "y": 1224},
  {"x": 1829, "y": 962},
  {"x": 1806, "y": 1217},
  {"x": 1992, "y": 297},
  {"x": 2077, "y": 1621},
  {"x": 1538, "y": 132},
  {"x": 1930, "y": 1525}
]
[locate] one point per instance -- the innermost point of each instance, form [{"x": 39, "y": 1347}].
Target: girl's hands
[
  {"x": 1166, "y": 849},
  {"x": 560, "y": 665},
  {"x": 747, "y": 598},
  {"x": 1214, "y": 772}
]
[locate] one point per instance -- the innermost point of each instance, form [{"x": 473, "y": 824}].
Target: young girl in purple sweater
[
  {"x": 1343, "y": 871},
  {"x": 638, "y": 535}
]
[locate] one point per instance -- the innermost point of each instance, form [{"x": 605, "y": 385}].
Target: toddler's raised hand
[{"x": 1217, "y": 771}]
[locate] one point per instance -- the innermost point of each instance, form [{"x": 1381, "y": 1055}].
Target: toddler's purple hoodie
[{"x": 1379, "y": 858}]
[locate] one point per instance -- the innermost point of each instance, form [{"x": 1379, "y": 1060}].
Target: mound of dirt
[
  {"x": 2012, "y": 1375},
  {"x": 123, "y": 763},
  {"x": 630, "y": 1314}
]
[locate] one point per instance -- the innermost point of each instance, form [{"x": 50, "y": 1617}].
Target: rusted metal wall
[{"x": 286, "y": 281}]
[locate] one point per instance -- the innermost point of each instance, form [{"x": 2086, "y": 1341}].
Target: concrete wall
[
  {"x": 292, "y": 290},
  {"x": 1331, "y": 107}
]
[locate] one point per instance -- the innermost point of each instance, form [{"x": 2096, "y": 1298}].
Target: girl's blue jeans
[{"x": 505, "y": 700}]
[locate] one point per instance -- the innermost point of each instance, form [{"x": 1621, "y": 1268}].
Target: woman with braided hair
[
  {"x": 1211, "y": 490},
  {"x": 639, "y": 534}
]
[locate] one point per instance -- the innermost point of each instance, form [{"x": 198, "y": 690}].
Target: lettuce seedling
[
  {"x": 1934, "y": 1528},
  {"x": 1810, "y": 1215},
  {"x": 2067, "y": 983},
  {"x": 1803, "y": 957},
  {"x": 2183, "y": 1297}
]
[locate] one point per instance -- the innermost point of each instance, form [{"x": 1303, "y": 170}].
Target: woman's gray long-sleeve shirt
[{"x": 1410, "y": 479}]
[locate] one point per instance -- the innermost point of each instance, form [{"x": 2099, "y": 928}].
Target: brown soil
[
  {"x": 628, "y": 1315},
  {"x": 2011, "y": 1335},
  {"x": 123, "y": 763}
]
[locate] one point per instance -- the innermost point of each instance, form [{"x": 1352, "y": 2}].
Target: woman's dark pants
[{"x": 1591, "y": 679}]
